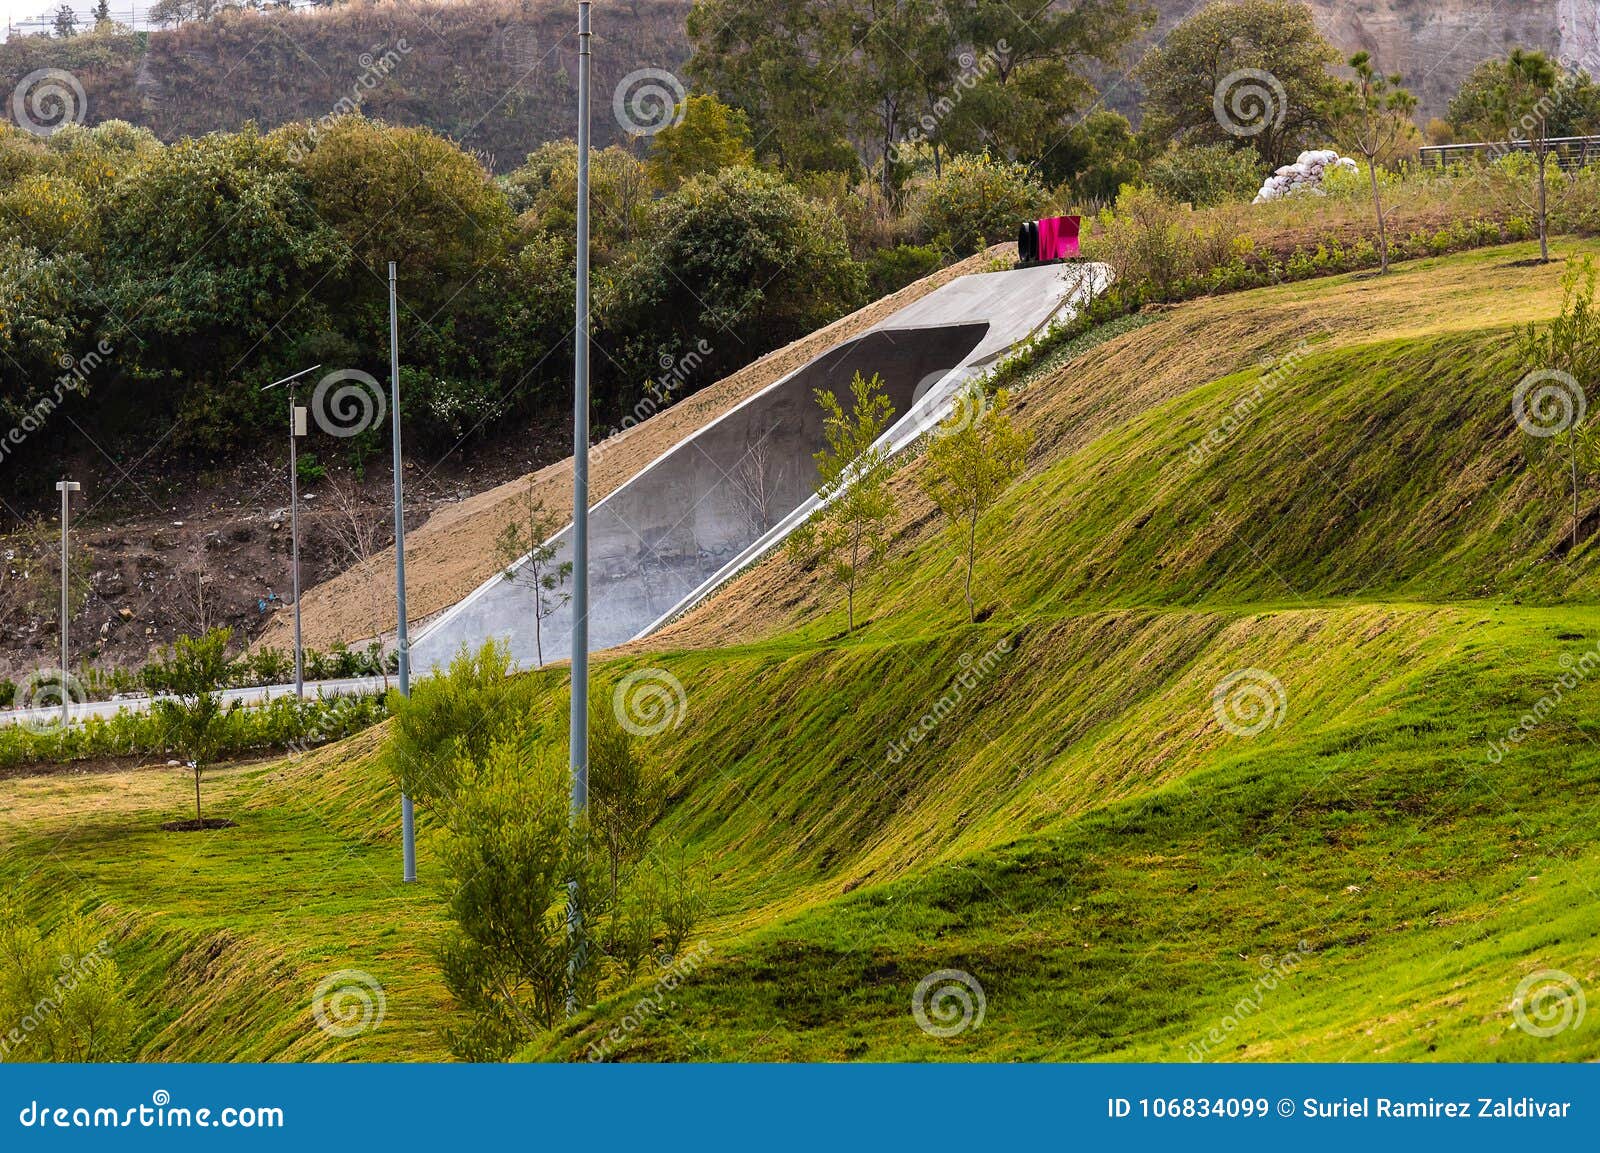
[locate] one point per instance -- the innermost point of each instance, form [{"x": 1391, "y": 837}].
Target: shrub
[
  {"x": 1206, "y": 174},
  {"x": 286, "y": 722},
  {"x": 512, "y": 851},
  {"x": 977, "y": 198},
  {"x": 61, "y": 994},
  {"x": 891, "y": 269},
  {"x": 453, "y": 719}
]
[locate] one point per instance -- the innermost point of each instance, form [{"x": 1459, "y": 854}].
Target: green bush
[
  {"x": 8, "y": 693},
  {"x": 286, "y": 722},
  {"x": 891, "y": 269},
  {"x": 1203, "y": 175},
  {"x": 977, "y": 198},
  {"x": 62, "y": 997},
  {"x": 452, "y": 719}
]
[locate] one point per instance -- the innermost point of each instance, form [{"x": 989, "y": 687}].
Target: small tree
[
  {"x": 65, "y": 22},
  {"x": 527, "y": 558},
  {"x": 193, "y": 671},
  {"x": 706, "y": 136},
  {"x": 359, "y": 530},
  {"x": 974, "y": 457},
  {"x": 624, "y": 795},
  {"x": 510, "y": 853},
  {"x": 851, "y": 529},
  {"x": 1569, "y": 349},
  {"x": 1375, "y": 116},
  {"x": 1516, "y": 106},
  {"x": 514, "y": 854}
]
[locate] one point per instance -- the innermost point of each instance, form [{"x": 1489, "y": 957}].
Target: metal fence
[{"x": 1570, "y": 152}]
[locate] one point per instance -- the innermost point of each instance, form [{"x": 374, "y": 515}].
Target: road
[{"x": 343, "y": 687}]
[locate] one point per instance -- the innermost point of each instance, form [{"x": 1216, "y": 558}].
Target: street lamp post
[
  {"x": 297, "y": 428},
  {"x": 402, "y": 642},
  {"x": 578, "y": 737},
  {"x": 66, "y": 488},
  {"x": 579, "y": 747}
]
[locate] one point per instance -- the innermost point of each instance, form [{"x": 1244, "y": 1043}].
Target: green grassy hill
[{"x": 1124, "y": 876}]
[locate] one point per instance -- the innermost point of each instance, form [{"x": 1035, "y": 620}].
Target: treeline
[
  {"x": 149, "y": 291},
  {"x": 153, "y": 288}
]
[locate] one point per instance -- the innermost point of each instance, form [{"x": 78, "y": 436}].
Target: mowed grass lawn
[{"x": 226, "y": 935}]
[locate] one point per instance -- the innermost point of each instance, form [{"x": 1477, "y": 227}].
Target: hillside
[
  {"x": 495, "y": 75},
  {"x": 1079, "y": 831}
]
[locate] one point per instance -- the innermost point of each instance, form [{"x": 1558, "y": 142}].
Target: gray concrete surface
[{"x": 735, "y": 488}]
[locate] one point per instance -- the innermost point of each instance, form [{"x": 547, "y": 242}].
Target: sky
[{"x": 18, "y": 10}]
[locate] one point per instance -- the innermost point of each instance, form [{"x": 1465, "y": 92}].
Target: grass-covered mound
[{"x": 1358, "y": 876}]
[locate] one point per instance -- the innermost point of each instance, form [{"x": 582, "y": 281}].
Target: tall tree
[
  {"x": 1250, "y": 70},
  {"x": 815, "y": 73},
  {"x": 1032, "y": 61},
  {"x": 708, "y": 136},
  {"x": 1374, "y": 117}
]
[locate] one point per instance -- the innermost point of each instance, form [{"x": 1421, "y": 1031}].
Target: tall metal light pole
[
  {"x": 402, "y": 643},
  {"x": 66, "y": 488},
  {"x": 579, "y": 757},
  {"x": 578, "y": 740},
  {"x": 297, "y": 428}
]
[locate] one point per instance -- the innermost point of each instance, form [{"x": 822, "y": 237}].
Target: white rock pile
[{"x": 1304, "y": 175}]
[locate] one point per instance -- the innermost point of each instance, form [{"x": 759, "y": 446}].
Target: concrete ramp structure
[{"x": 735, "y": 488}]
